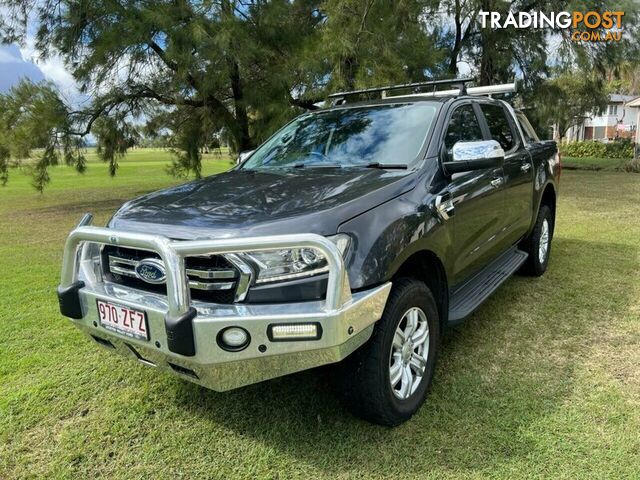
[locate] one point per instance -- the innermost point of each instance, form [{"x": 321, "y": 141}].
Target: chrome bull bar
[
  {"x": 180, "y": 314},
  {"x": 184, "y": 332},
  {"x": 173, "y": 252}
]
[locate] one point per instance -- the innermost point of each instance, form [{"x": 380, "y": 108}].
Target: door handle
[
  {"x": 525, "y": 167},
  {"x": 496, "y": 182}
]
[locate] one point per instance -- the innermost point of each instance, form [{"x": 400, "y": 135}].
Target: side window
[
  {"x": 530, "y": 134},
  {"x": 499, "y": 126},
  {"x": 463, "y": 127}
]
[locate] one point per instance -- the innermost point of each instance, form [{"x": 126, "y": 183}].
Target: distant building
[
  {"x": 634, "y": 105},
  {"x": 618, "y": 120}
]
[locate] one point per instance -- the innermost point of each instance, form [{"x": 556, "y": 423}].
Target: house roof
[
  {"x": 634, "y": 103},
  {"x": 617, "y": 98}
]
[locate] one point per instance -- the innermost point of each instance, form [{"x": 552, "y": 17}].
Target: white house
[
  {"x": 634, "y": 105},
  {"x": 618, "y": 120}
]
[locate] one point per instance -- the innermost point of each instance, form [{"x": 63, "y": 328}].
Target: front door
[{"x": 476, "y": 197}]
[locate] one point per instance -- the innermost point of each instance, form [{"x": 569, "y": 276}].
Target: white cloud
[
  {"x": 464, "y": 69},
  {"x": 54, "y": 70}
]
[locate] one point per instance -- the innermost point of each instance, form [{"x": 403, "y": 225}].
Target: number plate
[{"x": 124, "y": 320}]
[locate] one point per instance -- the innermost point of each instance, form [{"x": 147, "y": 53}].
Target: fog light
[
  {"x": 294, "y": 331},
  {"x": 233, "y": 339}
]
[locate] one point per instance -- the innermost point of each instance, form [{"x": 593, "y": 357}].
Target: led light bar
[{"x": 287, "y": 332}]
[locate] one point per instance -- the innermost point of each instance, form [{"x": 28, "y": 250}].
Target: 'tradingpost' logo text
[{"x": 585, "y": 26}]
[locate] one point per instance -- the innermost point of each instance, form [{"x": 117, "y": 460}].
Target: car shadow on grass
[{"x": 501, "y": 375}]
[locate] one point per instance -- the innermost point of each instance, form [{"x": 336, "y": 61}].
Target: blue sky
[
  {"x": 13, "y": 67},
  {"x": 17, "y": 63}
]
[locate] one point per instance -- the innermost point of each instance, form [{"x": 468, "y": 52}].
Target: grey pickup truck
[{"x": 355, "y": 235}]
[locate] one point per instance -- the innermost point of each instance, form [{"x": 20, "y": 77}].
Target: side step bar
[{"x": 468, "y": 296}]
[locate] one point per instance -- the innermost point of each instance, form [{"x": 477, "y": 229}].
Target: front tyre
[
  {"x": 387, "y": 380},
  {"x": 538, "y": 244}
]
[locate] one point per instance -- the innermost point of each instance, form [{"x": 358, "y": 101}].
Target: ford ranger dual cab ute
[{"x": 354, "y": 235}]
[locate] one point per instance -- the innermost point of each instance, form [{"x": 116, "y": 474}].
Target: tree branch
[
  {"x": 209, "y": 100},
  {"x": 171, "y": 64}
]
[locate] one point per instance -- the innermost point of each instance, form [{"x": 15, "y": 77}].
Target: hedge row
[{"x": 592, "y": 148}]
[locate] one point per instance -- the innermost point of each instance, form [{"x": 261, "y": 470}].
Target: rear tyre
[
  {"x": 387, "y": 380},
  {"x": 538, "y": 244}
]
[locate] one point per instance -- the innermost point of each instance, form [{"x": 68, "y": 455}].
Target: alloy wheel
[
  {"x": 543, "y": 247},
  {"x": 409, "y": 353}
]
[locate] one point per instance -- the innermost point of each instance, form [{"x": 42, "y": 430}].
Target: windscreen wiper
[
  {"x": 315, "y": 165},
  {"x": 390, "y": 166}
]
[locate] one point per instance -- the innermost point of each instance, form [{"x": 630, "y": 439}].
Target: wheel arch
[
  {"x": 548, "y": 198},
  {"x": 426, "y": 266}
]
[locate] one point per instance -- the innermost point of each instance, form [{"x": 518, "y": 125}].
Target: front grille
[{"x": 212, "y": 278}]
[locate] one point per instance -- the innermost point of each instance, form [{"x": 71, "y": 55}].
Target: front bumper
[{"x": 183, "y": 332}]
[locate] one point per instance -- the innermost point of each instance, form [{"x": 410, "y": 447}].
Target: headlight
[{"x": 292, "y": 263}]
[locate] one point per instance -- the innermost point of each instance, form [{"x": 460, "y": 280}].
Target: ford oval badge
[{"x": 151, "y": 270}]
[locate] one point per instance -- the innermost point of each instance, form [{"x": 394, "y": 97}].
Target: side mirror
[
  {"x": 468, "y": 156},
  {"x": 243, "y": 156}
]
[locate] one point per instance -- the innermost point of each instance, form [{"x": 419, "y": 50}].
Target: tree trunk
[
  {"x": 240, "y": 132},
  {"x": 457, "y": 44},
  {"x": 349, "y": 70},
  {"x": 486, "y": 65},
  {"x": 243, "y": 139},
  {"x": 486, "y": 60}
]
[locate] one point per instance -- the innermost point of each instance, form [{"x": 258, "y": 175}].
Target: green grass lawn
[
  {"x": 542, "y": 381},
  {"x": 593, "y": 163}
]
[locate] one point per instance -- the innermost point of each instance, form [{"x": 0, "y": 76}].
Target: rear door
[
  {"x": 518, "y": 172},
  {"x": 476, "y": 197}
]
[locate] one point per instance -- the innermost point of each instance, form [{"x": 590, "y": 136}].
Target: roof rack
[
  {"x": 415, "y": 86},
  {"x": 462, "y": 89}
]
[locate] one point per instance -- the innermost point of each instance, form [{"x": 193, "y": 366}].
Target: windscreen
[{"x": 349, "y": 137}]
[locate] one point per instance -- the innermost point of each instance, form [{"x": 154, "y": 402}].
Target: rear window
[
  {"x": 529, "y": 133},
  {"x": 499, "y": 126}
]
